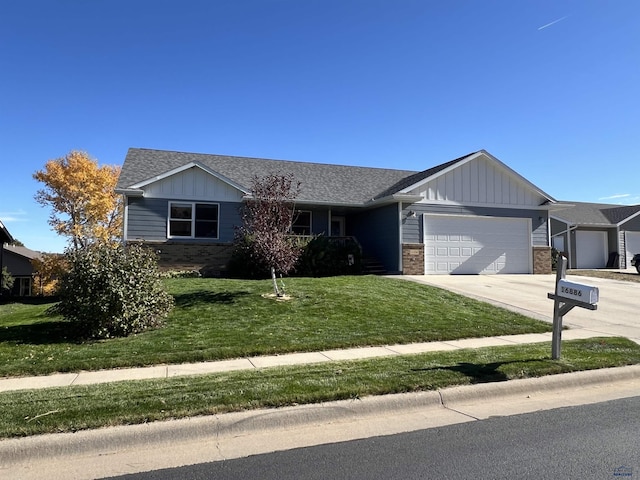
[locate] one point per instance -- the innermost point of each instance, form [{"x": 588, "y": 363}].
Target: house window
[
  {"x": 193, "y": 220},
  {"x": 302, "y": 223}
]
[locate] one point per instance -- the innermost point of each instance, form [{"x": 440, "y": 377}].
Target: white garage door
[
  {"x": 632, "y": 242},
  {"x": 591, "y": 249},
  {"x": 474, "y": 245}
]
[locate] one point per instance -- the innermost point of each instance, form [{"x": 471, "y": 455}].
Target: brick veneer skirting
[
  {"x": 210, "y": 259},
  {"x": 542, "y": 260},
  {"x": 412, "y": 259}
]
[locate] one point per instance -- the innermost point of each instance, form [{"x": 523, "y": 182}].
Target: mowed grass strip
[
  {"x": 217, "y": 319},
  {"x": 82, "y": 407}
]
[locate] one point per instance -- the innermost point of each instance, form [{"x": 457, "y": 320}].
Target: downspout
[
  {"x": 125, "y": 218},
  {"x": 400, "y": 239},
  {"x": 571, "y": 229}
]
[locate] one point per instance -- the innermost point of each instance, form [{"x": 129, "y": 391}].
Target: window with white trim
[
  {"x": 193, "y": 220},
  {"x": 301, "y": 223}
]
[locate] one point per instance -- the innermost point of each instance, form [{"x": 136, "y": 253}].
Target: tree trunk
[{"x": 275, "y": 283}]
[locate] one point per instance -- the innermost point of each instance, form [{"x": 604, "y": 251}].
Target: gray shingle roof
[
  {"x": 602, "y": 214},
  {"x": 322, "y": 183},
  {"x": 23, "y": 251}
]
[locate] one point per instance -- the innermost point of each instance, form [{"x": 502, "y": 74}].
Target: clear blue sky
[{"x": 550, "y": 87}]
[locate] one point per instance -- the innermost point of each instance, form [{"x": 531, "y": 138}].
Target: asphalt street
[{"x": 596, "y": 441}]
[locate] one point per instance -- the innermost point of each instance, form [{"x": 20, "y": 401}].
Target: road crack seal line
[{"x": 453, "y": 409}]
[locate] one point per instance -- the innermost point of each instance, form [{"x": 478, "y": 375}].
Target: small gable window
[
  {"x": 301, "y": 223},
  {"x": 193, "y": 220}
]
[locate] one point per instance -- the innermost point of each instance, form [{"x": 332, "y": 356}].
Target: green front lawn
[
  {"x": 68, "y": 409},
  {"x": 218, "y": 319}
]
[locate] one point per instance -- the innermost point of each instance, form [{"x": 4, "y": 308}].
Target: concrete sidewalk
[{"x": 185, "y": 369}]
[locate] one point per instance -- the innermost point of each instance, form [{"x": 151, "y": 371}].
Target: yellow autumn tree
[
  {"x": 48, "y": 269},
  {"x": 81, "y": 194}
]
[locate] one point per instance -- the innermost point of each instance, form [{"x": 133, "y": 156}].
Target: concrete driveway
[{"x": 618, "y": 312}]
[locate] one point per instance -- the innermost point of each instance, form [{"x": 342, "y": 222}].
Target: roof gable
[
  {"x": 478, "y": 178},
  {"x": 596, "y": 214},
  {"x": 5, "y": 236}
]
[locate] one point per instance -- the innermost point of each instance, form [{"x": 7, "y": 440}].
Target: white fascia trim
[
  {"x": 441, "y": 172},
  {"x": 630, "y": 217},
  {"x": 487, "y": 205},
  {"x": 395, "y": 198},
  {"x": 187, "y": 166},
  {"x": 130, "y": 192},
  {"x": 473, "y": 156}
]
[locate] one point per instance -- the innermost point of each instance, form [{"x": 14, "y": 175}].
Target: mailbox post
[{"x": 566, "y": 296}]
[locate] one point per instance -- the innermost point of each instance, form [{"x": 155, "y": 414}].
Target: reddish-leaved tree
[{"x": 267, "y": 217}]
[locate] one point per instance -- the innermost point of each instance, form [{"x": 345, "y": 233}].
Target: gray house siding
[
  {"x": 632, "y": 225},
  {"x": 412, "y": 227},
  {"x": 378, "y": 233},
  {"x": 147, "y": 220}
]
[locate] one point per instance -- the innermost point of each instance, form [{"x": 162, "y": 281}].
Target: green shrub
[
  {"x": 243, "y": 264},
  {"x": 112, "y": 291},
  {"x": 6, "y": 281},
  {"x": 324, "y": 257}
]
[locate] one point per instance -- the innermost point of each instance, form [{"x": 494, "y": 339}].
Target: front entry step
[{"x": 372, "y": 266}]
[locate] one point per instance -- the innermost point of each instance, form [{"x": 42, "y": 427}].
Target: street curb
[
  {"x": 237, "y": 424},
  {"x": 548, "y": 383}
]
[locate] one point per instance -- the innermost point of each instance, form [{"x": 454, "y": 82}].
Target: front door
[{"x": 337, "y": 226}]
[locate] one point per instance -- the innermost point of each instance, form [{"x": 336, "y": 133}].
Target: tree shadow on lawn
[
  {"x": 193, "y": 299},
  {"x": 479, "y": 373},
  {"x": 43, "y": 333}
]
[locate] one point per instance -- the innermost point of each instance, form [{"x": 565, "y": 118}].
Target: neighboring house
[
  {"x": 18, "y": 263},
  {"x": 5, "y": 237},
  {"x": 471, "y": 215},
  {"x": 596, "y": 235}
]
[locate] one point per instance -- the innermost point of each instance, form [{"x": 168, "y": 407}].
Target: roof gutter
[{"x": 130, "y": 192}]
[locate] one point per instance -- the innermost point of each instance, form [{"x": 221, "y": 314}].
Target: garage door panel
[
  {"x": 591, "y": 249},
  {"x": 472, "y": 245}
]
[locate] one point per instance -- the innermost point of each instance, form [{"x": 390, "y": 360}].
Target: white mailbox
[{"x": 578, "y": 291}]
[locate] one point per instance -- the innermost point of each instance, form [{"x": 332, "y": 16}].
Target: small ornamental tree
[
  {"x": 267, "y": 218},
  {"x": 112, "y": 291}
]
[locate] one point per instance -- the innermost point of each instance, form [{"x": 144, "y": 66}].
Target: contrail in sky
[{"x": 552, "y": 23}]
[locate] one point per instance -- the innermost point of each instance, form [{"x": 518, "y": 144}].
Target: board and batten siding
[
  {"x": 147, "y": 219},
  {"x": 193, "y": 184},
  {"x": 480, "y": 181},
  {"x": 412, "y": 227}
]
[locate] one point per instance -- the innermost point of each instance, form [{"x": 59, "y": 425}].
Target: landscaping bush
[
  {"x": 243, "y": 264},
  {"x": 6, "y": 281},
  {"x": 112, "y": 291},
  {"x": 322, "y": 257}
]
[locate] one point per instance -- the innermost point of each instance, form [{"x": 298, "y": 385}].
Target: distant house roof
[
  {"x": 595, "y": 214},
  {"x": 23, "y": 252},
  {"x": 5, "y": 236},
  {"x": 323, "y": 183}
]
